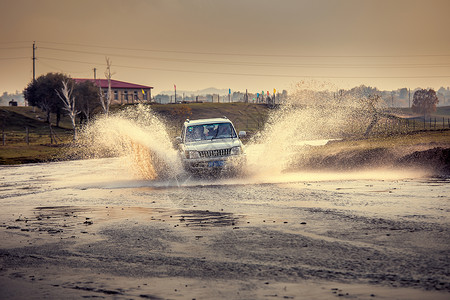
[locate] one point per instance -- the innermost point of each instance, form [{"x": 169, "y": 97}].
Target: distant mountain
[{"x": 208, "y": 91}]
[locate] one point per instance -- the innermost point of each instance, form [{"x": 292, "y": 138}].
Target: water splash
[
  {"x": 138, "y": 136},
  {"x": 312, "y": 112}
]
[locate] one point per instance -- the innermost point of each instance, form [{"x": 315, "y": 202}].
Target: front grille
[{"x": 215, "y": 153}]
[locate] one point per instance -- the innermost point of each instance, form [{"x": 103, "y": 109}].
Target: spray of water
[
  {"x": 138, "y": 136},
  {"x": 311, "y": 113}
]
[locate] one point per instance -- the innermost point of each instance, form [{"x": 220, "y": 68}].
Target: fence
[
  {"x": 393, "y": 125},
  {"x": 251, "y": 123},
  {"x": 32, "y": 136}
]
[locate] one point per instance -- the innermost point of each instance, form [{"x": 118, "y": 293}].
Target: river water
[{"x": 357, "y": 234}]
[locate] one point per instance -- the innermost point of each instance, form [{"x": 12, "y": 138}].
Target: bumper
[{"x": 234, "y": 163}]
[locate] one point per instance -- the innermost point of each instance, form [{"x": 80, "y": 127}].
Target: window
[
  {"x": 135, "y": 95},
  {"x": 210, "y": 132},
  {"x": 116, "y": 95}
]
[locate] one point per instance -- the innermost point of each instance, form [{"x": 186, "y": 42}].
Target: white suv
[{"x": 210, "y": 145}]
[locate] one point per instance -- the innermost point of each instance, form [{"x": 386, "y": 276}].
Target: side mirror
[
  {"x": 242, "y": 134},
  {"x": 177, "y": 141}
]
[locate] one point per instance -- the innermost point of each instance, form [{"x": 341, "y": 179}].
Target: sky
[{"x": 229, "y": 44}]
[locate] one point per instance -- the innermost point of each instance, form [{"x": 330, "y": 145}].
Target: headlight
[
  {"x": 192, "y": 154},
  {"x": 236, "y": 150}
]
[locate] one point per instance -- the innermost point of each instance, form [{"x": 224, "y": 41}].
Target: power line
[
  {"x": 62, "y": 70},
  {"x": 9, "y": 48},
  {"x": 258, "y": 64},
  {"x": 74, "y": 61},
  {"x": 254, "y": 74},
  {"x": 255, "y": 54},
  {"x": 14, "y": 42},
  {"x": 11, "y": 58}
]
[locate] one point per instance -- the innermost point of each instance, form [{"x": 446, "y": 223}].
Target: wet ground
[{"x": 88, "y": 229}]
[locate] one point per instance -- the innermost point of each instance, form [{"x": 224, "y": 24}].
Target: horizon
[{"x": 225, "y": 90}]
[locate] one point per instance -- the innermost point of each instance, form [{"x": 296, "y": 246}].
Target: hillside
[
  {"x": 248, "y": 117},
  {"x": 12, "y": 120},
  {"x": 14, "y": 148},
  {"x": 419, "y": 147}
]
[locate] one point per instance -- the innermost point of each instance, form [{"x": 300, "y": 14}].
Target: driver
[
  {"x": 212, "y": 131},
  {"x": 224, "y": 131}
]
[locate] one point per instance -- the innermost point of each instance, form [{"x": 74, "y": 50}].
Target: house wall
[{"x": 127, "y": 96}]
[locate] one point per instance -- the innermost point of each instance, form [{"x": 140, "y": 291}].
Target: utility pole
[
  {"x": 409, "y": 96},
  {"x": 34, "y": 61},
  {"x": 175, "y": 88}
]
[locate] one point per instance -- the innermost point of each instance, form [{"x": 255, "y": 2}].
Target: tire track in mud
[
  {"x": 339, "y": 245},
  {"x": 295, "y": 254},
  {"x": 225, "y": 252}
]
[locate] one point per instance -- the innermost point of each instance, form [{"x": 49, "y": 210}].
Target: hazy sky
[{"x": 237, "y": 44}]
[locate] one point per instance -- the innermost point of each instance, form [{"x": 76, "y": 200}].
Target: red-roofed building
[{"x": 122, "y": 92}]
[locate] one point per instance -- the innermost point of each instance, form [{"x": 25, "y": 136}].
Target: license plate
[{"x": 218, "y": 163}]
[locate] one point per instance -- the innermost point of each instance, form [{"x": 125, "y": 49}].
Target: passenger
[
  {"x": 224, "y": 131},
  {"x": 212, "y": 132}
]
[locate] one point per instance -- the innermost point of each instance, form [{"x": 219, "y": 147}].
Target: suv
[{"x": 210, "y": 145}]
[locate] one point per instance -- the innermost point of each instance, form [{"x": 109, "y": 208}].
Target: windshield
[{"x": 209, "y": 132}]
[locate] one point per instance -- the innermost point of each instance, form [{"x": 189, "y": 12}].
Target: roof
[
  {"x": 115, "y": 84},
  {"x": 207, "y": 121}
]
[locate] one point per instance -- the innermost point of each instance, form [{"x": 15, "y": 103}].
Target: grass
[
  {"x": 248, "y": 117},
  {"x": 31, "y": 117},
  {"x": 245, "y": 116},
  {"x": 426, "y": 150},
  {"x": 374, "y": 151},
  {"x": 441, "y": 137},
  {"x": 14, "y": 122},
  {"x": 19, "y": 154}
]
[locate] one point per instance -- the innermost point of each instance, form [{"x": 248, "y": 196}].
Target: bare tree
[
  {"x": 371, "y": 103},
  {"x": 69, "y": 104},
  {"x": 105, "y": 100}
]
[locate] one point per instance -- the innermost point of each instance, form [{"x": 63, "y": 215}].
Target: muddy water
[{"x": 90, "y": 228}]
